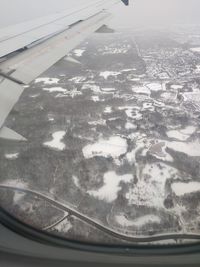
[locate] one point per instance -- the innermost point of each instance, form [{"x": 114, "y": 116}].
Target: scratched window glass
[{"x": 100, "y": 122}]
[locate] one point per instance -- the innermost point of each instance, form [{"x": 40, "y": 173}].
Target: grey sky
[{"x": 143, "y": 13}]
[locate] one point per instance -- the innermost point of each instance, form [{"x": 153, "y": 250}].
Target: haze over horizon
[{"x": 140, "y": 13}]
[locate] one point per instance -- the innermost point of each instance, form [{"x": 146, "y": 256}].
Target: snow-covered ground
[
  {"x": 56, "y": 143},
  {"x": 130, "y": 126},
  {"x": 169, "y": 96},
  {"x": 76, "y": 181},
  {"x": 158, "y": 103},
  {"x": 69, "y": 93},
  {"x": 108, "y": 110},
  {"x": 148, "y": 106},
  {"x": 34, "y": 95},
  {"x": 47, "y": 80},
  {"x": 12, "y": 156},
  {"x": 181, "y": 189},
  {"x": 97, "y": 122},
  {"x": 176, "y": 86},
  {"x": 106, "y": 74},
  {"x": 112, "y": 147},
  {"x": 79, "y": 52},
  {"x": 133, "y": 114},
  {"x": 181, "y": 134},
  {"x": 77, "y": 79},
  {"x": 131, "y": 69},
  {"x": 95, "y": 98},
  {"x": 197, "y": 70},
  {"x": 111, "y": 186},
  {"x": 93, "y": 87},
  {"x": 195, "y": 49},
  {"x": 50, "y": 117},
  {"x": 63, "y": 227},
  {"x": 114, "y": 50},
  {"x": 191, "y": 148},
  {"x": 18, "y": 196},
  {"x": 192, "y": 96},
  {"x": 141, "y": 143},
  {"x": 138, "y": 222},
  {"x": 55, "y": 90},
  {"x": 108, "y": 89},
  {"x": 150, "y": 188},
  {"x": 141, "y": 90},
  {"x": 16, "y": 183},
  {"x": 155, "y": 86}
]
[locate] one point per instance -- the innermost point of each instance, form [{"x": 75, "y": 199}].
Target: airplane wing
[{"x": 28, "y": 49}]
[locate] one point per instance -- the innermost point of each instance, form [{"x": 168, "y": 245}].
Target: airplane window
[{"x": 110, "y": 152}]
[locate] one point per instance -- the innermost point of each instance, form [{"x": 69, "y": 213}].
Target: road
[{"x": 99, "y": 225}]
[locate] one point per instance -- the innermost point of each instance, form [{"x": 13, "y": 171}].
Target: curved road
[{"x": 97, "y": 224}]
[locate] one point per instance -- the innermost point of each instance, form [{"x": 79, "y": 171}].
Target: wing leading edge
[{"x": 20, "y": 66}]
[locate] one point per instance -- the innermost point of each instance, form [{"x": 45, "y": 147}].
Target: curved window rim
[{"x": 27, "y": 231}]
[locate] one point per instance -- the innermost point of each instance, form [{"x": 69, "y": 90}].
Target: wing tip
[{"x": 6, "y": 133}]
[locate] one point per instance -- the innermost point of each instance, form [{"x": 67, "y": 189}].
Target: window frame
[{"x": 22, "y": 239}]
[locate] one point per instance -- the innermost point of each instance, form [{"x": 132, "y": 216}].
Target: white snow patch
[
  {"x": 130, "y": 126},
  {"x": 190, "y": 148},
  {"x": 141, "y": 90},
  {"x": 106, "y": 74},
  {"x": 55, "y": 89},
  {"x": 47, "y": 80},
  {"x": 70, "y": 93},
  {"x": 195, "y": 49},
  {"x": 112, "y": 147},
  {"x": 34, "y": 95},
  {"x": 114, "y": 50},
  {"x": 56, "y": 141},
  {"x": 197, "y": 69},
  {"x": 169, "y": 96},
  {"x": 111, "y": 186},
  {"x": 12, "y": 156},
  {"x": 134, "y": 79},
  {"x": 181, "y": 189},
  {"x": 50, "y": 118},
  {"x": 155, "y": 86},
  {"x": 132, "y": 69},
  {"x": 108, "y": 110},
  {"x": 79, "y": 52},
  {"x": 94, "y": 88},
  {"x": 176, "y": 86},
  {"x": 182, "y": 134},
  {"x": 76, "y": 181},
  {"x": 192, "y": 97},
  {"x": 146, "y": 219},
  {"x": 158, "y": 103},
  {"x": 77, "y": 79},
  {"x": 148, "y": 106},
  {"x": 95, "y": 98},
  {"x": 108, "y": 89},
  {"x": 98, "y": 122}
]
